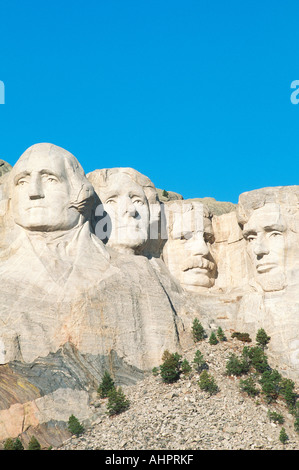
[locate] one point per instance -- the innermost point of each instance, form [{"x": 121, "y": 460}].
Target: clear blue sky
[{"x": 193, "y": 93}]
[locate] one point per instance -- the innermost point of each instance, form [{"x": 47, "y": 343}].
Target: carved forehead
[
  {"x": 268, "y": 217},
  {"x": 119, "y": 184},
  {"x": 186, "y": 216},
  {"x": 286, "y": 197},
  {"x": 104, "y": 178},
  {"x": 40, "y": 162},
  {"x": 48, "y": 156}
]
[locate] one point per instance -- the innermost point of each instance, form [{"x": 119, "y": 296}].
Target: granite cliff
[{"x": 105, "y": 272}]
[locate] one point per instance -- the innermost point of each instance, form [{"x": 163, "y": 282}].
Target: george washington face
[{"x": 42, "y": 192}]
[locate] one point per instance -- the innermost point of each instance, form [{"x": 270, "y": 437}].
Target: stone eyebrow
[
  {"x": 267, "y": 228},
  {"x": 249, "y": 231},
  {"x": 28, "y": 173},
  {"x": 277, "y": 227},
  {"x": 20, "y": 175},
  {"x": 137, "y": 193},
  {"x": 49, "y": 172}
]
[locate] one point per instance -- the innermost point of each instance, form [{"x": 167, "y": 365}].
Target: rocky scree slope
[{"x": 181, "y": 416}]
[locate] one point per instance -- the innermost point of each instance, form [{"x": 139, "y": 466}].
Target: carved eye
[
  {"x": 46, "y": 178},
  {"x": 21, "y": 182},
  {"x": 138, "y": 201},
  {"x": 250, "y": 238},
  {"x": 275, "y": 234},
  {"x": 209, "y": 238}
]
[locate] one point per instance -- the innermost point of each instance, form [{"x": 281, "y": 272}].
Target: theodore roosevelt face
[
  {"x": 42, "y": 192},
  {"x": 187, "y": 250},
  {"x": 265, "y": 234}
]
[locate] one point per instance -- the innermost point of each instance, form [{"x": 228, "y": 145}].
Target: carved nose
[
  {"x": 128, "y": 207},
  {"x": 198, "y": 246},
  {"x": 35, "y": 189},
  {"x": 261, "y": 248}
]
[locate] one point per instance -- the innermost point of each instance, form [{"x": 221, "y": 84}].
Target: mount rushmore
[{"x": 103, "y": 272}]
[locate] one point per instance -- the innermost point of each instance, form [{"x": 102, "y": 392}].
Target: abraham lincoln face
[{"x": 265, "y": 233}]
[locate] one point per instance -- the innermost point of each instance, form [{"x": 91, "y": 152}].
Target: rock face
[
  {"x": 4, "y": 167},
  {"x": 98, "y": 273}
]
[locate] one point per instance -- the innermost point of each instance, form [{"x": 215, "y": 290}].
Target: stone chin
[
  {"x": 194, "y": 280},
  {"x": 271, "y": 281}
]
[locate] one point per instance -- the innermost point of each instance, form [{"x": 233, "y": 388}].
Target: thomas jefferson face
[
  {"x": 187, "y": 250},
  {"x": 42, "y": 192},
  {"x": 127, "y": 207},
  {"x": 265, "y": 234}
]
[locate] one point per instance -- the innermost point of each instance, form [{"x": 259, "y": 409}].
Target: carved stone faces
[
  {"x": 127, "y": 210},
  {"x": 269, "y": 219},
  {"x": 126, "y": 205},
  {"x": 45, "y": 187},
  {"x": 265, "y": 235},
  {"x": 187, "y": 250}
]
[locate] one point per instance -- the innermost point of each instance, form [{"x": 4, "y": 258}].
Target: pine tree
[
  {"x": 262, "y": 339},
  {"x": 74, "y": 426},
  {"x": 9, "y": 444},
  {"x": 207, "y": 383},
  {"x": 106, "y": 385},
  {"x": 117, "y": 402},
  {"x": 287, "y": 391},
  {"x": 213, "y": 339},
  {"x": 220, "y": 334},
  {"x": 170, "y": 369},
  {"x": 248, "y": 386},
  {"x": 186, "y": 368},
  {"x": 34, "y": 444},
  {"x": 199, "y": 362},
  {"x": 198, "y": 331},
  {"x": 283, "y": 437},
  {"x": 18, "y": 444},
  {"x": 270, "y": 382}
]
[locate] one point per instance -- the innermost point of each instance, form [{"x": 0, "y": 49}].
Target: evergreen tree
[
  {"x": 207, "y": 383},
  {"x": 258, "y": 359},
  {"x": 213, "y": 339},
  {"x": 117, "y": 402},
  {"x": 262, "y": 339},
  {"x": 170, "y": 369},
  {"x": 236, "y": 366},
  {"x": 199, "y": 362},
  {"x": 270, "y": 382},
  {"x": 9, "y": 444},
  {"x": 18, "y": 444},
  {"x": 106, "y": 385},
  {"x": 283, "y": 437},
  {"x": 248, "y": 386},
  {"x": 34, "y": 444},
  {"x": 275, "y": 417},
  {"x": 220, "y": 334},
  {"x": 198, "y": 331},
  {"x": 186, "y": 368},
  {"x": 74, "y": 426},
  {"x": 287, "y": 391}
]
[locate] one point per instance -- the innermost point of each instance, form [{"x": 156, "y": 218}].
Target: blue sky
[{"x": 195, "y": 94}]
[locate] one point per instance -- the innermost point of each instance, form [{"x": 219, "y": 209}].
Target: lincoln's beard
[{"x": 271, "y": 281}]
